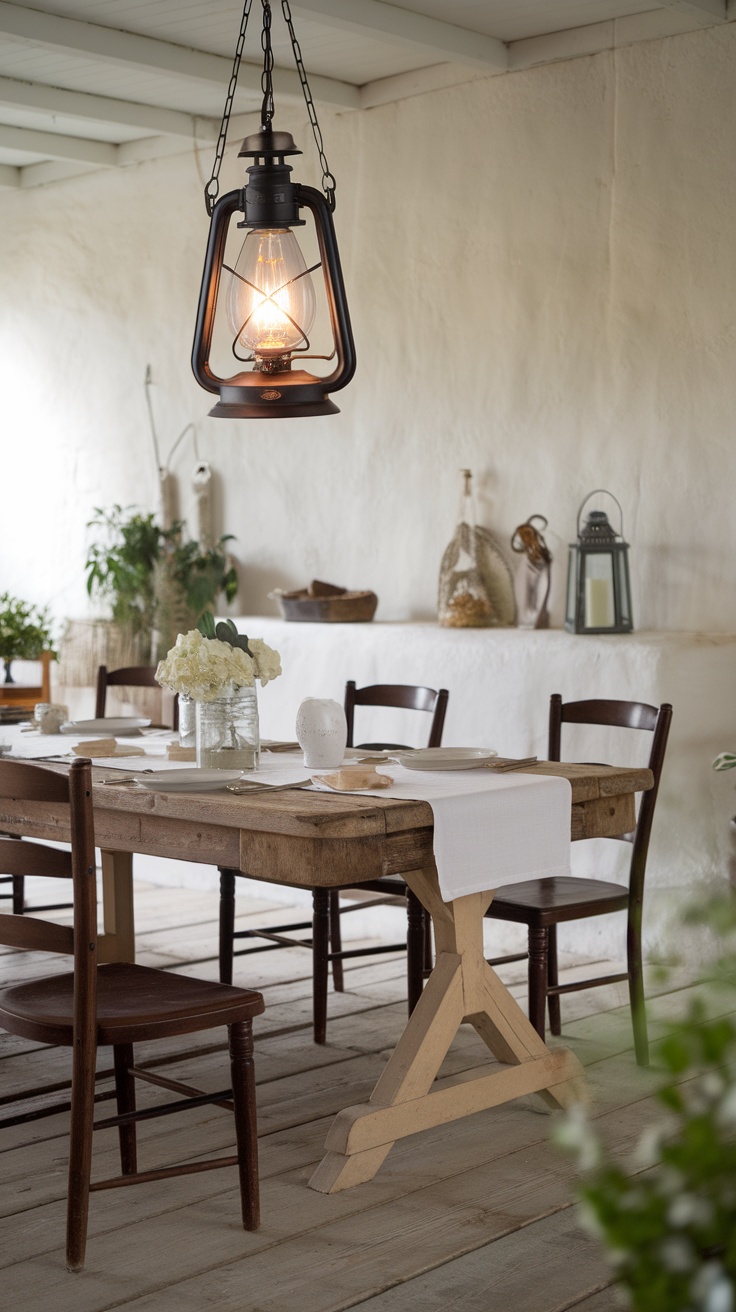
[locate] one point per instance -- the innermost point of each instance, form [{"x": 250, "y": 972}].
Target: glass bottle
[{"x": 463, "y": 602}]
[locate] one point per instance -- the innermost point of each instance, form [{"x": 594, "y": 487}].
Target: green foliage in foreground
[{"x": 670, "y": 1228}]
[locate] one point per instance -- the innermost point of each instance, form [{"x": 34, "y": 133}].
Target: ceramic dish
[
  {"x": 187, "y": 781},
  {"x": 446, "y": 758},
  {"x": 109, "y": 727}
]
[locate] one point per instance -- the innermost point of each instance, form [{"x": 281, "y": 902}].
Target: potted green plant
[
  {"x": 25, "y": 631},
  {"x": 156, "y": 581}
]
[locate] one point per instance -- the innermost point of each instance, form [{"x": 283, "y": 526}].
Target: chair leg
[
  {"x": 537, "y": 977},
  {"x": 125, "y": 1094},
  {"x": 227, "y": 923},
  {"x": 19, "y": 899},
  {"x": 415, "y": 948},
  {"x": 320, "y": 960},
  {"x": 553, "y": 1000},
  {"x": 242, "y": 1073},
  {"x": 428, "y": 961},
  {"x": 636, "y": 993},
  {"x": 80, "y": 1155},
  {"x": 338, "y": 974}
]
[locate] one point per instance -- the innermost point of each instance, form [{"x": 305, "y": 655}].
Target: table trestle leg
[{"x": 462, "y": 987}]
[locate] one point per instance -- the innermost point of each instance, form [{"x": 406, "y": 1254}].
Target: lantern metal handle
[{"x": 606, "y": 493}]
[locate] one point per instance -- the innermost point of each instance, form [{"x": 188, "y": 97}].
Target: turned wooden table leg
[{"x": 117, "y": 943}]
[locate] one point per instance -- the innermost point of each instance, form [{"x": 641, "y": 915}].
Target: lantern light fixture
[
  {"x": 267, "y": 297},
  {"x": 598, "y": 588}
]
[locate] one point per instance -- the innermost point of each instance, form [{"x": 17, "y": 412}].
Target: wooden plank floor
[{"x": 477, "y": 1214}]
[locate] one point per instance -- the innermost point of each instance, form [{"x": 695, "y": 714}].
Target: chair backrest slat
[
  {"x": 31, "y": 934},
  {"x": 401, "y": 696},
  {"x": 19, "y": 856},
  {"x": 30, "y": 783},
  {"x": 133, "y": 676}
]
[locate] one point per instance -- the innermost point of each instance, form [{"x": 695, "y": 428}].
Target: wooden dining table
[{"x": 322, "y": 840}]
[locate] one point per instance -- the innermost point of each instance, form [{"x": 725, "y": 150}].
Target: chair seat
[
  {"x": 557, "y": 898},
  {"x": 134, "y": 1003}
]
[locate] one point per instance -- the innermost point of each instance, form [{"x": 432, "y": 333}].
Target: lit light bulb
[{"x": 271, "y": 302}]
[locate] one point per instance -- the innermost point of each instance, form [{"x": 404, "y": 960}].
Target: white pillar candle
[{"x": 599, "y": 604}]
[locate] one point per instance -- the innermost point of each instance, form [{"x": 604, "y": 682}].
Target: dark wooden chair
[
  {"x": 135, "y": 676},
  {"x": 542, "y": 904},
  {"x": 117, "y": 1005},
  {"x": 326, "y": 940}
]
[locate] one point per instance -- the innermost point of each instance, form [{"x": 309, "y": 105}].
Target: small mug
[{"x": 50, "y": 716}]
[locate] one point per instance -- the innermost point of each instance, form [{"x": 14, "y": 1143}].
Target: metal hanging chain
[
  {"x": 213, "y": 186},
  {"x": 328, "y": 182},
  {"x": 267, "y": 74}
]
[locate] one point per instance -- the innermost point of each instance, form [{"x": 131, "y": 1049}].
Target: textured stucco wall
[{"x": 542, "y": 274}]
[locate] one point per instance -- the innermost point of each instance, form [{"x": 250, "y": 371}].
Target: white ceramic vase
[{"x": 322, "y": 732}]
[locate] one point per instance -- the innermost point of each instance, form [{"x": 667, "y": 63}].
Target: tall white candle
[{"x": 599, "y": 604}]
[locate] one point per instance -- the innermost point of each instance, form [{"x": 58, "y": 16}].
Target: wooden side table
[{"x": 23, "y": 696}]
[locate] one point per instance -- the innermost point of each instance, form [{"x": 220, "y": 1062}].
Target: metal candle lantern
[{"x": 598, "y": 588}]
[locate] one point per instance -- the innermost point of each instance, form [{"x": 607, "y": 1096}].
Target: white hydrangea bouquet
[{"x": 208, "y": 660}]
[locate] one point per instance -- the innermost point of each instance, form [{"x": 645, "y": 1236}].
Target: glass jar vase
[
  {"x": 187, "y": 721},
  {"x": 227, "y": 735}
]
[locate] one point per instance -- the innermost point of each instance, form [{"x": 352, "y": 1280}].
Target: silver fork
[{"x": 127, "y": 778}]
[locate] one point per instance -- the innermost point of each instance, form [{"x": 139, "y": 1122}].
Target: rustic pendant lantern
[
  {"x": 268, "y": 296},
  {"x": 598, "y": 589}
]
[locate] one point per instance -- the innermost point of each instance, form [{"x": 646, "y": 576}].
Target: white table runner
[{"x": 489, "y": 829}]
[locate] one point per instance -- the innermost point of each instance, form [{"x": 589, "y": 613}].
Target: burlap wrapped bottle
[{"x": 464, "y": 601}]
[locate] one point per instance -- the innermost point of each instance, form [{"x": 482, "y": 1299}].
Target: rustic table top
[{"x": 308, "y": 838}]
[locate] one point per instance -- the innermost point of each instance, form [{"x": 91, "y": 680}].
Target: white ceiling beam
[
  {"x": 37, "y": 175},
  {"x": 705, "y": 12},
  {"x": 54, "y": 145},
  {"x": 102, "y": 109},
  {"x": 419, "y": 82},
  {"x": 9, "y": 177},
  {"x": 412, "y": 31},
  {"x": 163, "y": 58}
]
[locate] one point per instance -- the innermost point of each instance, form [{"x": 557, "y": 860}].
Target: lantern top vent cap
[
  {"x": 598, "y": 528},
  {"x": 268, "y": 143}
]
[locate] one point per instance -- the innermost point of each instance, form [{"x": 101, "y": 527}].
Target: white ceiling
[{"x": 88, "y": 84}]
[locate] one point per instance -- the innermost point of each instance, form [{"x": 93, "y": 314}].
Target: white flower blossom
[
  {"x": 203, "y": 668},
  {"x": 688, "y": 1209},
  {"x": 677, "y": 1254},
  {"x": 712, "y": 1288}
]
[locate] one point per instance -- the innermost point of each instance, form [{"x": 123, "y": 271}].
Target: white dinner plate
[
  {"x": 111, "y": 727},
  {"x": 446, "y": 758},
  {"x": 187, "y": 780}
]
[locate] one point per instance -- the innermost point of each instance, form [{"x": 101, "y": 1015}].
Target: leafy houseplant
[
  {"x": 25, "y": 631},
  {"x": 670, "y": 1229},
  {"x": 155, "y": 578}
]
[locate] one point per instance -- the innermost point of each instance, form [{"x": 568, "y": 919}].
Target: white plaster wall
[{"x": 542, "y": 274}]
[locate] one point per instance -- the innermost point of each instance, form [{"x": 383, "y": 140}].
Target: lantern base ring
[{"x": 295, "y": 394}]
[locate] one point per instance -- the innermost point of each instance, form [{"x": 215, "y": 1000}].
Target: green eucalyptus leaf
[{"x": 206, "y": 624}]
